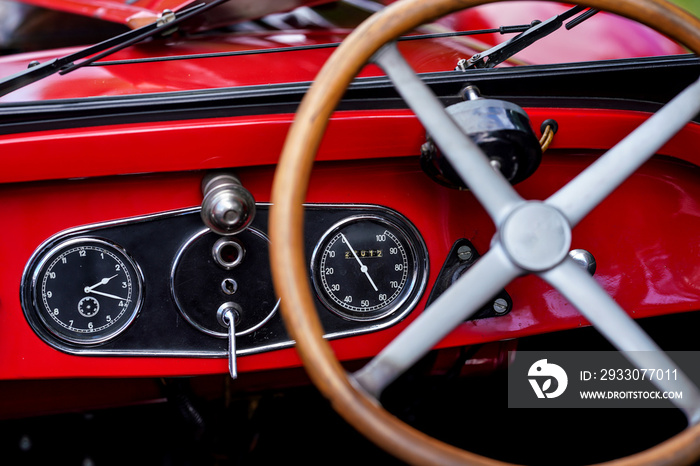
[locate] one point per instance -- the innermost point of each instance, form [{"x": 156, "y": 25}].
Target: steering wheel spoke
[
  {"x": 590, "y": 187},
  {"x": 581, "y": 290},
  {"x": 468, "y": 294},
  {"x": 488, "y": 185}
]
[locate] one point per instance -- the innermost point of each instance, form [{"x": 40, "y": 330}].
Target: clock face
[{"x": 87, "y": 290}]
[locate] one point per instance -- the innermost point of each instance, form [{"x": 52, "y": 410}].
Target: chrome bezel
[
  {"x": 220, "y": 244},
  {"x": 415, "y": 247}
]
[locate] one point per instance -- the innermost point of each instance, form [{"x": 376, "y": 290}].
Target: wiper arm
[
  {"x": 66, "y": 64},
  {"x": 539, "y": 30}
]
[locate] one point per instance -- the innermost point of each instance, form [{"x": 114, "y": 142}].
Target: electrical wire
[{"x": 547, "y": 137}]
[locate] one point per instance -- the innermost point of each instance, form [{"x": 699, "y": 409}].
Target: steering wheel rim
[{"x": 286, "y": 219}]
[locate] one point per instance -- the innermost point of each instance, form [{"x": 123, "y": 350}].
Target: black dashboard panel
[{"x": 183, "y": 274}]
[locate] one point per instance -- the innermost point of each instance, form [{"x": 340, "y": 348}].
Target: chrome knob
[{"x": 228, "y": 208}]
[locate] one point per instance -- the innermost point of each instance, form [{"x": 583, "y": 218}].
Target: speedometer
[{"x": 366, "y": 267}]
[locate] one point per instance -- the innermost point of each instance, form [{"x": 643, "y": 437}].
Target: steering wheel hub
[{"x": 536, "y": 236}]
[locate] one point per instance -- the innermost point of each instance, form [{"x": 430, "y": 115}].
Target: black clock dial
[
  {"x": 86, "y": 290},
  {"x": 365, "y": 267}
]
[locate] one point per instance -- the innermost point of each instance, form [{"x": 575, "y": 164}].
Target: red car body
[{"x": 108, "y": 143}]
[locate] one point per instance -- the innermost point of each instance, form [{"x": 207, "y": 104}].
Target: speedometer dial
[{"x": 366, "y": 267}]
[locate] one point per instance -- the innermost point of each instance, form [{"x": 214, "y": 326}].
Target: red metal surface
[
  {"x": 425, "y": 56},
  {"x": 24, "y": 398},
  {"x": 604, "y": 36},
  {"x": 107, "y": 10},
  {"x": 210, "y": 73},
  {"x": 643, "y": 243},
  {"x": 208, "y": 143},
  {"x": 140, "y": 12}
]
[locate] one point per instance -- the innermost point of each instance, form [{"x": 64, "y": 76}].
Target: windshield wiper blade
[
  {"x": 581, "y": 18},
  {"x": 38, "y": 71},
  {"x": 539, "y": 30}
]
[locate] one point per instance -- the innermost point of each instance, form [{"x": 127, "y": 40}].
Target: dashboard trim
[
  {"x": 180, "y": 306},
  {"x": 93, "y": 229}
]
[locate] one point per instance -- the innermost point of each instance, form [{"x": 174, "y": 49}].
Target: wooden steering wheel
[{"x": 532, "y": 236}]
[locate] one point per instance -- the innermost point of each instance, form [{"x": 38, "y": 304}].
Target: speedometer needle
[
  {"x": 87, "y": 290},
  {"x": 363, "y": 267}
]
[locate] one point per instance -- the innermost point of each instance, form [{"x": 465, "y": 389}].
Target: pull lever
[{"x": 228, "y": 315}]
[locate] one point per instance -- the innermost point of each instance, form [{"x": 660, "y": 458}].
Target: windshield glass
[{"x": 214, "y": 52}]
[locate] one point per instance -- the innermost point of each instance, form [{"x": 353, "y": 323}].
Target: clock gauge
[{"x": 86, "y": 290}]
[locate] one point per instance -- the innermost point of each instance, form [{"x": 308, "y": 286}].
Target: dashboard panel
[{"x": 155, "y": 285}]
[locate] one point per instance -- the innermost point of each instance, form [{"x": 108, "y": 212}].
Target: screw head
[
  {"x": 500, "y": 306},
  {"x": 25, "y": 443},
  {"x": 464, "y": 253}
]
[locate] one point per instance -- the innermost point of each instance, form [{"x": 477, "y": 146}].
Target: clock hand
[
  {"x": 363, "y": 267},
  {"x": 104, "y": 281},
  {"x": 105, "y": 294}
]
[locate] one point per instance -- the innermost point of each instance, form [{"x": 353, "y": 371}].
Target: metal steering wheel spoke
[
  {"x": 594, "y": 303},
  {"x": 488, "y": 185},
  {"x": 482, "y": 282},
  {"x": 590, "y": 187},
  {"x": 532, "y": 236}
]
